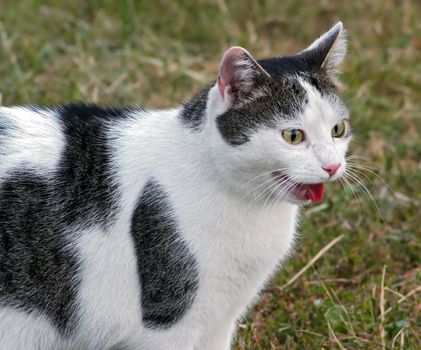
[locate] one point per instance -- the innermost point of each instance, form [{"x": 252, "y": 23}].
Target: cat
[{"x": 129, "y": 228}]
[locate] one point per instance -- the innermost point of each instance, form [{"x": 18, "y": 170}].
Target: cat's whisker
[
  {"x": 276, "y": 192},
  {"x": 269, "y": 196},
  {"x": 249, "y": 192},
  {"x": 345, "y": 188},
  {"x": 286, "y": 188},
  {"x": 265, "y": 173},
  {"x": 362, "y": 166},
  {"x": 359, "y": 202},
  {"x": 359, "y": 172},
  {"x": 257, "y": 187},
  {"x": 269, "y": 187},
  {"x": 279, "y": 185},
  {"x": 348, "y": 186},
  {"x": 279, "y": 190},
  {"x": 268, "y": 180},
  {"x": 358, "y": 156},
  {"x": 366, "y": 166},
  {"x": 262, "y": 193},
  {"x": 361, "y": 184},
  {"x": 361, "y": 169}
]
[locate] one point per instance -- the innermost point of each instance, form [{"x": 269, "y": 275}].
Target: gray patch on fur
[
  {"x": 167, "y": 270},
  {"x": 193, "y": 112},
  {"x": 322, "y": 83},
  {"x": 38, "y": 271},
  {"x": 38, "y": 267}
]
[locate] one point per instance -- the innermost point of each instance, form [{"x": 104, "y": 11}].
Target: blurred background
[{"x": 354, "y": 281}]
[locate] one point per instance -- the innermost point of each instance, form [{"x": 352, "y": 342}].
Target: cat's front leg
[{"x": 218, "y": 339}]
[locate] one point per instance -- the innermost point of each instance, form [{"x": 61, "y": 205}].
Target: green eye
[
  {"x": 339, "y": 129},
  {"x": 293, "y": 136}
]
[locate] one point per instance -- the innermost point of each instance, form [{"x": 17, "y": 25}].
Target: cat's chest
[
  {"x": 235, "y": 243},
  {"x": 236, "y": 248},
  {"x": 204, "y": 247}
]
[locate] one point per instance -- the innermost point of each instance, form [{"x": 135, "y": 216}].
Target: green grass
[{"x": 157, "y": 53}]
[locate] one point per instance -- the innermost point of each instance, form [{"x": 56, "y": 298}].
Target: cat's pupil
[
  {"x": 293, "y": 135},
  {"x": 336, "y": 128}
]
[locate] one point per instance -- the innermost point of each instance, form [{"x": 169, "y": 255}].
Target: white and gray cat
[{"x": 129, "y": 228}]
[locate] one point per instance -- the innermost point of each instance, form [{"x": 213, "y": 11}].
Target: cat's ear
[
  {"x": 239, "y": 73},
  {"x": 328, "y": 51}
]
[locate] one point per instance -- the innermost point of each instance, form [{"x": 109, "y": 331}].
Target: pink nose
[{"x": 332, "y": 169}]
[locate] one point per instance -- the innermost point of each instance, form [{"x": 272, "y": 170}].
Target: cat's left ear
[
  {"x": 328, "y": 51},
  {"x": 239, "y": 75}
]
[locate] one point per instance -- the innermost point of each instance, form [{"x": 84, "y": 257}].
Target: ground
[{"x": 360, "y": 280}]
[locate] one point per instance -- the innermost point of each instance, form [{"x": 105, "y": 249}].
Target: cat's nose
[{"x": 332, "y": 169}]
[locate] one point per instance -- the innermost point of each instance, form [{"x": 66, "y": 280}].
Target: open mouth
[{"x": 301, "y": 191}]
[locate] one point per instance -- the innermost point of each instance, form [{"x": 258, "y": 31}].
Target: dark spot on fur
[
  {"x": 167, "y": 270},
  {"x": 287, "y": 65},
  {"x": 322, "y": 83},
  {"x": 38, "y": 269},
  {"x": 84, "y": 178},
  {"x": 193, "y": 111}
]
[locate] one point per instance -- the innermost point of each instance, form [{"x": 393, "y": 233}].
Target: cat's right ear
[{"x": 238, "y": 74}]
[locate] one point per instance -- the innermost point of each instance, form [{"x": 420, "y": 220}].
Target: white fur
[
  {"x": 34, "y": 140},
  {"x": 109, "y": 304},
  {"x": 21, "y": 331}
]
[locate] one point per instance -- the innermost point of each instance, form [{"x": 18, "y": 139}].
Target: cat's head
[{"x": 278, "y": 126}]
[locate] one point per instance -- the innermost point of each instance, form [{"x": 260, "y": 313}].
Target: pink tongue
[{"x": 314, "y": 192}]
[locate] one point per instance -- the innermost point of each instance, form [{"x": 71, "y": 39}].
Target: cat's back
[
  {"x": 60, "y": 155},
  {"x": 41, "y": 139},
  {"x": 30, "y": 137}
]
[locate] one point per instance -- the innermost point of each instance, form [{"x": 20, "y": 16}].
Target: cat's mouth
[{"x": 300, "y": 191}]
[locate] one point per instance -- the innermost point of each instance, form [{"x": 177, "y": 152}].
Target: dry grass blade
[
  {"x": 382, "y": 301},
  {"x": 313, "y": 260},
  {"x": 395, "y": 338},
  {"x": 404, "y": 297}
]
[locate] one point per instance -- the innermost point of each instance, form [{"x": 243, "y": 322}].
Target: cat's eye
[
  {"x": 293, "y": 136},
  {"x": 339, "y": 129}
]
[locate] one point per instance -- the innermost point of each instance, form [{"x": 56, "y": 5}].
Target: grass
[{"x": 365, "y": 291}]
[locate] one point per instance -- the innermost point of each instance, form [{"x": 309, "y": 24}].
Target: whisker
[
  {"x": 355, "y": 167},
  {"x": 262, "y": 184},
  {"x": 366, "y": 166},
  {"x": 361, "y": 184},
  {"x": 345, "y": 188},
  {"x": 358, "y": 156},
  {"x": 264, "y": 191},
  {"x": 269, "y": 196},
  {"x": 281, "y": 191},
  {"x": 359, "y": 201},
  {"x": 265, "y": 173},
  {"x": 257, "y": 187}
]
